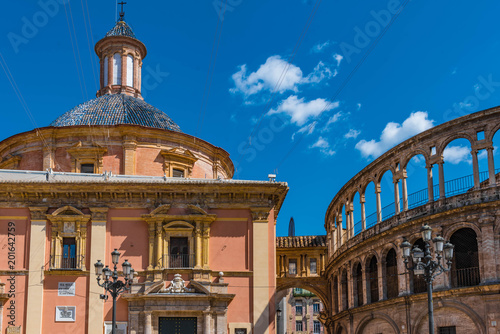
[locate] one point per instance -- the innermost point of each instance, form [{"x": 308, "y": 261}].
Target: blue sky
[{"x": 313, "y": 127}]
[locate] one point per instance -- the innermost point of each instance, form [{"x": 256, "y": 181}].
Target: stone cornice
[{"x": 261, "y": 197}]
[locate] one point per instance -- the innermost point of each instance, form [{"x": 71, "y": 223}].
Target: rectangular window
[
  {"x": 447, "y": 330},
  {"x": 69, "y": 253},
  {"x": 177, "y": 173},
  {"x": 292, "y": 267},
  {"x": 317, "y": 327},
  {"x": 87, "y": 168},
  {"x": 240, "y": 331},
  {"x": 312, "y": 266},
  {"x": 298, "y": 326},
  {"x": 316, "y": 307},
  {"x": 298, "y": 307},
  {"x": 179, "y": 255}
]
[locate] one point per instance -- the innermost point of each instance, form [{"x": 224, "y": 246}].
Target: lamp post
[
  {"x": 423, "y": 263},
  {"x": 111, "y": 283}
]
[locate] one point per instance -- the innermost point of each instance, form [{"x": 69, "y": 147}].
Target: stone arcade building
[{"x": 116, "y": 172}]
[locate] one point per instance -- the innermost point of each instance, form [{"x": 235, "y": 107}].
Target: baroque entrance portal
[{"x": 177, "y": 325}]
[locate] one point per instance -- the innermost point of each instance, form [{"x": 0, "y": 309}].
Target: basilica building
[{"x": 116, "y": 173}]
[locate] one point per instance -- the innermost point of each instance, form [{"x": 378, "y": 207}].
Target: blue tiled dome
[
  {"x": 116, "y": 109},
  {"x": 121, "y": 29}
]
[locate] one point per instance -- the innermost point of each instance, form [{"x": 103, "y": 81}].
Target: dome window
[
  {"x": 106, "y": 71},
  {"x": 117, "y": 69},
  {"x": 130, "y": 71}
]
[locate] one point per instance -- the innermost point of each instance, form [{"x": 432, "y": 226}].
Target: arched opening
[
  {"x": 356, "y": 213},
  {"x": 458, "y": 173},
  {"x": 358, "y": 285},
  {"x": 496, "y": 155},
  {"x": 344, "y": 287},
  {"x": 388, "y": 199},
  {"x": 335, "y": 294},
  {"x": 465, "y": 265},
  {"x": 416, "y": 181},
  {"x": 130, "y": 71},
  {"x": 372, "y": 280},
  {"x": 117, "y": 69},
  {"x": 391, "y": 274},
  {"x": 370, "y": 205},
  {"x": 106, "y": 71},
  {"x": 418, "y": 282}
]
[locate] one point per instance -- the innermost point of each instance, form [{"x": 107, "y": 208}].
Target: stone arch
[
  {"x": 491, "y": 132},
  {"x": 461, "y": 135},
  {"x": 473, "y": 316},
  {"x": 369, "y": 255},
  {"x": 341, "y": 329},
  {"x": 376, "y": 315},
  {"x": 380, "y": 172},
  {"x": 307, "y": 285},
  {"x": 406, "y": 159},
  {"x": 450, "y": 229}
]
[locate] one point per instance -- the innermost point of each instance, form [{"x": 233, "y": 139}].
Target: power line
[
  {"x": 280, "y": 80},
  {"x": 346, "y": 81},
  {"x": 211, "y": 68}
]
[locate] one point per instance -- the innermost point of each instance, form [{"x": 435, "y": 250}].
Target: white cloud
[
  {"x": 320, "y": 46},
  {"x": 324, "y": 146},
  {"x": 358, "y": 106},
  {"x": 394, "y": 133},
  {"x": 457, "y": 154},
  {"x": 271, "y": 77},
  {"x": 300, "y": 111},
  {"x": 338, "y": 58},
  {"x": 352, "y": 134}
]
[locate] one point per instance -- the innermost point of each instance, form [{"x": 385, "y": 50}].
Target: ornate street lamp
[
  {"x": 111, "y": 283},
  {"x": 423, "y": 263}
]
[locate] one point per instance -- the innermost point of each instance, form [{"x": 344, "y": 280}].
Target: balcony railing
[
  {"x": 61, "y": 262},
  {"x": 174, "y": 261},
  {"x": 452, "y": 187},
  {"x": 465, "y": 277}
]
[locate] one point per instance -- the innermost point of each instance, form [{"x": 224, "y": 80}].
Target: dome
[
  {"x": 121, "y": 29},
  {"x": 116, "y": 109}
]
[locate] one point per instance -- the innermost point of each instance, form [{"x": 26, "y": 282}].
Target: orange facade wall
[
  {"x": 149, "y": 161},
  {"x": 111, "y": 161},
  {"x": 240, "y": 308},
  {"x": 51, "y": 299},
  {"x": 31, "y": 161}
]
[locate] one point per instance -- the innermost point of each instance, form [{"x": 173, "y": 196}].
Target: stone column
[
  {"x": 430, "y": 184},
  {"x": 348, "y": 222},
  {"x": 124, "y": 70},
  {"x": 380, "y": 280},
  {"x": 136, "y": 74},
  {"x": 364, "y": 284},
  {"x": 165, "y": 250},
  {"x": 379, "y": 202},
  {"x": 205, "y": 239},
  {"x": 159, "y": 243},
  {"x": 351, "y": 219},
  {"x": 363, "y": 212},
  {"x": 148, "y": 325},
  {"x": 350, "y": 290},
  {"x": 133, "y": 321},
  {"x": 491, "y": 166},
  {"x": 206, "y": 321},
  {"x": 475, "y": 169},
  {"x": 487, "y": 259},
  {"x": 404, "y": 188},
  {"x": 198, "y": 250},
  {"x": 34, "y": 300},
  {"x": 396, "y": 196},
  {"x": 129, "y": 150},
  {"x": 403, "y": 279},
  {"x": 97, "y": 252},
  {"x": 83, "y": 245},
  {"x": 48, "y": 154},
  {"x": 151, "y": 225},
  {"x": 110, "y": 70},
  {"x": 221, "y": 323},
  {"x": 261, "y": 272},
  {"x": 340, "y": 230},
  {"x": 442, "y": 193}
]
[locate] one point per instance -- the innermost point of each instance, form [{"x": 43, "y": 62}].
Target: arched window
[
  {"x": 117, "y": 69},
  {"x": 372, "y": 278},
  {"x": 345, "y": 292},
  {"x": 106, "y": 70},
  {"x": 130, "y": 71},
  {"x": 391, "y": 273},
  {"x": 335, "y": 295},
  {"x": 465, "y": 265},
  {"x": 358, "y": 285},
  {"x": 419, "y": 284}
]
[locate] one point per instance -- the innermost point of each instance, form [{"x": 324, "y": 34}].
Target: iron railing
[
  {"x": 177, "y": 261},
  {"x": 452, "y": 187},
  {"x": 61, "y": 262},
  {"x": 465, "y": 277}
]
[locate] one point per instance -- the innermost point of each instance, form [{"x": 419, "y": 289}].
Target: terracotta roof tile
[{"x": 301, "y": 241}]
